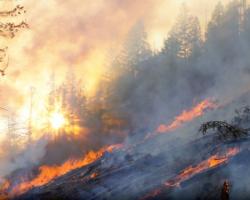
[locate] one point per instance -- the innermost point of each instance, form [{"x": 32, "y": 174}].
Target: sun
[{"x": 57, "y": 120}]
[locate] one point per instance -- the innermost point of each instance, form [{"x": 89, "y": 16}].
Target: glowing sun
[{"x": 57, "y": 120}]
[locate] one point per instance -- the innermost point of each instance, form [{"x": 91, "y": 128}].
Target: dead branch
[
  {"x": 224, "y": 130},
  {"x": 18, "y": 10},
  {"x": 10, "y": 30}
]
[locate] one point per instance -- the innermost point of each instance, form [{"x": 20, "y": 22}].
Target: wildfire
[
  {"x": 211, "y": 162},
  {"x": 187, "y": 115},
  {"x": 49, "y": 173}
]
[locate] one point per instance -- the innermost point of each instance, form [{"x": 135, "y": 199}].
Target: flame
[
  {"x": 49, "y": 173},
  {"x": 114, "y": 147},
  {"x": 211, "y": 162},
  {"x": 187, "y": 115},
  {"x": 5, "y": 185},
  {"x": 3, "y": 189}
]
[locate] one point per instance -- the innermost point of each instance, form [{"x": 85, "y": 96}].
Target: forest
[
  {"x": 145, "y": 116},
  {"x": 142, "y": 88}
]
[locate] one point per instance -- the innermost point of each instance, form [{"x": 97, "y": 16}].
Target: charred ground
[{"x": 129, "y": 174}]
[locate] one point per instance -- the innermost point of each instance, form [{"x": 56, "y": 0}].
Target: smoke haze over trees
[
  {"x": 188, "y": 67},
  {"x": 142, "y": 88}
]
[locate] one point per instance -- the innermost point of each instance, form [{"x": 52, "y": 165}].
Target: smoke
[
  {"x": 165, "y": 86},
  {"x": 74, "y": 36},
  {"x": 14, "y": 160},
  {"x": 77, "y": 34}
]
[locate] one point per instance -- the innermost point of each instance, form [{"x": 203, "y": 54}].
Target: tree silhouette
[
  {"x": 224, "y": 31},
  {"x": 185, "y": 36},
  {"x": 135, "y": 49}
]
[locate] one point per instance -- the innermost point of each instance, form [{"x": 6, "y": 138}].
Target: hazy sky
[{"x": 78, "y": 34}]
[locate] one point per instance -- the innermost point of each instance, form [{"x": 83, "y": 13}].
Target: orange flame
[
  {"x": 3, "y": 190},
  {"x": 187, "y": 115},
  {"x": 5, "y": 185},
  {"x": 211, "y": 162},
  {"x": 49, "y": 173}
]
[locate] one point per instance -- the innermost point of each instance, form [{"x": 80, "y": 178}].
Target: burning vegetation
[
  {"x": 211, "y": 162},
  {"x": 187, "y": 116},
  {"x": 64, "y": 142},
  {"x": 49, "y": 173}
]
